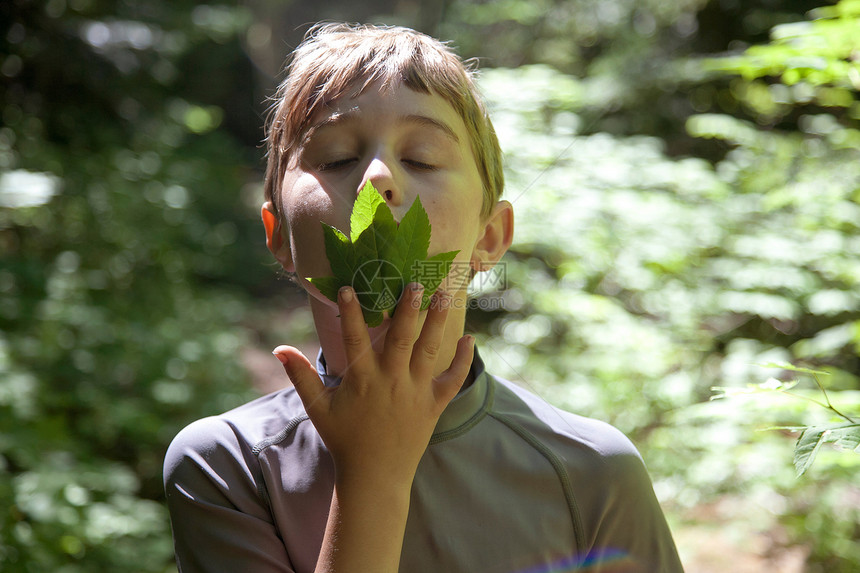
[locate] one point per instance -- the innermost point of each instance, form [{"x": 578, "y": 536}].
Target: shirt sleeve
[
  {"x": 220, "y": 522},
  {"x": 631, "y": 534}
]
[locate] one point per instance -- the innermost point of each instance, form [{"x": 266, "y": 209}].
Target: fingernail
[
  {"x": 416, "y": 287},
  {"x": 281, "y": 357},
  {"x": 346, "y": 293}
]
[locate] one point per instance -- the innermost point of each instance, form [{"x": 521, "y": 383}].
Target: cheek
[
  {"x": 454, "y": 227},
  {"x": 306, "y": 243},
  {"x": 304, "y": 212}
]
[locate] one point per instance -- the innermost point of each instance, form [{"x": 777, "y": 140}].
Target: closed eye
[
  {"x": 419, "y": 165},
  {"x": 334, "y": 165}
]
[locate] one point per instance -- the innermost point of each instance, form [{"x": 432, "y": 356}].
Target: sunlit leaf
[
  {"x": 793, "y": 368},
  {"x": 846, "y": 436}
]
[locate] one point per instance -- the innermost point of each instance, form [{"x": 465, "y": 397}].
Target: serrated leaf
[
  {"x": 412, "y": 240},
  {"x": 806, "y": 448},
  {"x": 374, "y": 243},
  {"x": 340, "y": 253},
  {"x": 848, "y": 438},
  {"x": 366, "y": 277},
  {"x": 328, "y": 286},
  {"x": 384, "y": 223},
  {"x": 812, "y": 437},
  {"x": 376, "y": 287},
  {"x": 364, "y": 210},
  {"x": 380, "y": 256},
  {"x": 377, "y": 282},
  {"x": 431, "y": 272}
]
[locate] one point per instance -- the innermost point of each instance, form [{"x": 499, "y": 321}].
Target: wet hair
[{"x": 335, "y": 60}]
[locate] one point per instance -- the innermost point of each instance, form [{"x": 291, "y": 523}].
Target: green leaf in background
[
  {"x": 793, "y": 368},
  {"x": 381, "y": 256},
  {"x": 845, "y": 436}
]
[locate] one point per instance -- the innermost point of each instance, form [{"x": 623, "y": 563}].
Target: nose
[{"x": 382, "y": 176}]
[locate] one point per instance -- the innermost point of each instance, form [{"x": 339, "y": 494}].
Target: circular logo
[{"x": 378, "y": 285}]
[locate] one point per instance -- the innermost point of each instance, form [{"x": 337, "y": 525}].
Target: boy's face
[{"x": 407, "y": 144}]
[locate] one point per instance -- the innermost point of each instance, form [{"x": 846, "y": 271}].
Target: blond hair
[{"x": 334, "y": 59}]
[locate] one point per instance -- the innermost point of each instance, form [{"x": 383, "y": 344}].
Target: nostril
[{"x": 388, "y": 195}]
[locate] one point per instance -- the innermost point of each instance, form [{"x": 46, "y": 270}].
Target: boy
[{"x": 398, "y": 452}]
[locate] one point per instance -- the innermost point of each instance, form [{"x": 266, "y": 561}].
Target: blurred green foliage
[
  {"x": 640, "y": 280},
  {"x": 679, "y": 220},
  {"x": 119, "y": 200}
]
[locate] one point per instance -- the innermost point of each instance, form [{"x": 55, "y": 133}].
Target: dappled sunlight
[{"x": 683, "y": 227}]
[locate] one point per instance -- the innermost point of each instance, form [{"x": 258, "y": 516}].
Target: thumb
[{"x": 304, "y": 377}]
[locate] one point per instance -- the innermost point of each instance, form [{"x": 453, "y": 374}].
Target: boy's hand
[{"x": 378, "y": 421}]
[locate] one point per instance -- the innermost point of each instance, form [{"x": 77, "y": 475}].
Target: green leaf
[
  {"x": 339, "y": 251},
  {"x": 412, "y": 240},
  {"x": 806, "y": 448},
  {"x": 431, "y": 273},
  {"x": 843, "y": 435},
  {"x": 328, "y": 286},
  {"x": 342, "y": 260},
  {"x": 793, "y": 368},
  {"x": 769, "y": 385},
  {"x": 374, "y": 243},
  {"x": 372, "y": 230},
  {"x": 377, "y": 282},
  {"x": 380, "y": 256},
  {"x": 364, "y": 210},
  {"x": 848, "y": 437},
  {"x": 372, "y": 318}
]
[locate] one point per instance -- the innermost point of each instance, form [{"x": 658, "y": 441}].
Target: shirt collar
[{"x": 466, "y": 409}]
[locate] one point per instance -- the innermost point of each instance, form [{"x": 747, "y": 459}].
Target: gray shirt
[{"x": 508, "y": 484}]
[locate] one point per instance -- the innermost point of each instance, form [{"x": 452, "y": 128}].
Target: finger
[
  {"x": 426, "y": 351},
  {"x": 357, "y": 347},
  {"x": 451, "y": 380},
  {"x": 401, "y": 333},
  {"x": 304, "y": 377}
]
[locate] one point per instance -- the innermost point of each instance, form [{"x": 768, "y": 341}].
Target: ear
[
  {"x": 497, "y": 236},
  {"x": 276, "y": 239}
]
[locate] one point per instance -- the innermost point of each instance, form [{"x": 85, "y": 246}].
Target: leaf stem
[
  {"x": 807, "y": 398},
  {"x": 829, "y": 405}
]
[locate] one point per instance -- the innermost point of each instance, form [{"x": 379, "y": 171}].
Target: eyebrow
[
  {"x": 350, "y": 116},
  {"x": 430, "y": 122}
]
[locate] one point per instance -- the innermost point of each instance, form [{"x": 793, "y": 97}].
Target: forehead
[{"x": 382, "y": 106}]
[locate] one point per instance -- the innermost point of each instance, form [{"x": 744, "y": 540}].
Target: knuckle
[
  {"x": 401, "y": 343},
  {"x": 352, "y": 340},
  {"x": 430, "y": 350}
]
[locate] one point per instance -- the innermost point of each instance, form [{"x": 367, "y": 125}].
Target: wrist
[{"x": 364, "y": 484}]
